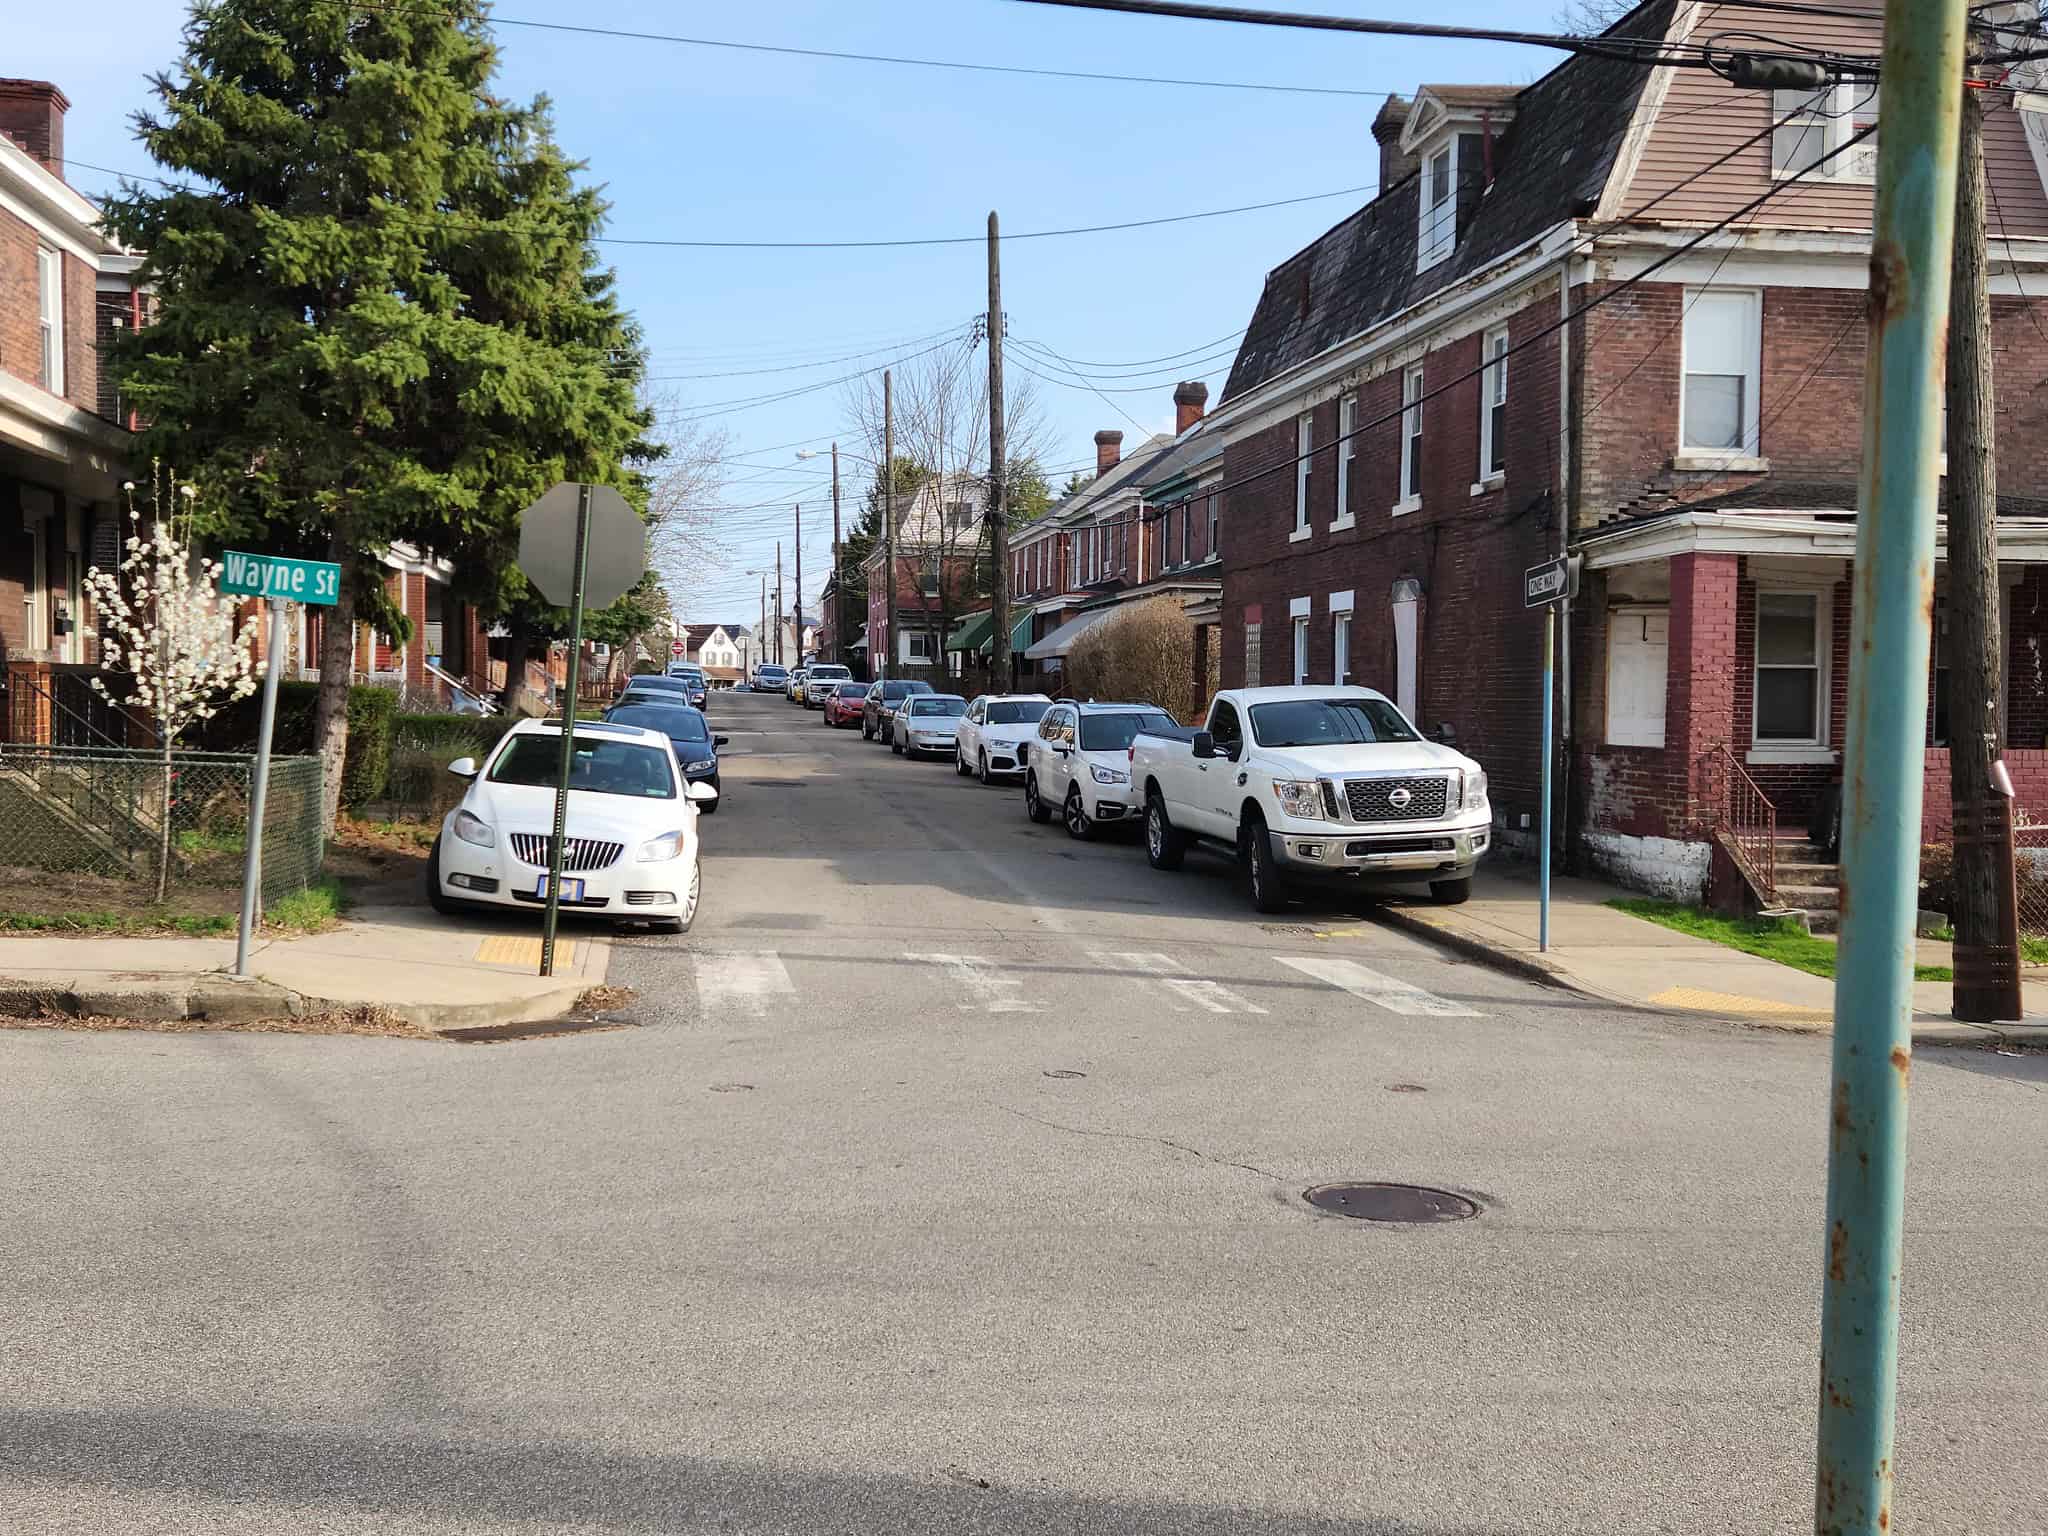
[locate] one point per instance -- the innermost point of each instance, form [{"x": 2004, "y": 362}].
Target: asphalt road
[{"x": 951, "y": 1182}]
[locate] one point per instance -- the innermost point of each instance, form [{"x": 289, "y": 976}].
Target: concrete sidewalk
[
  {"x": 438, "y": 973},
  {"x": 1618, "y": 958}
]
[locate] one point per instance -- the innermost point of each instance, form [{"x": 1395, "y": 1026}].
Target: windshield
[
  {"x": 1328, "y": 723},
  {"x": 675, "y": 724},
  {"x": 826, "y": 674},
  {"x": 853, "y": 690},
  {"x": 655, "y": 683},
  {"x": 903, "y": 688},
  {"x": 600, "y": 765},
  {"x": 1113, "y": 733},
  {"x": 937, "y": 707},
  {"x": 1027, "y": 712},
  {"x": 771, "y": 674}
]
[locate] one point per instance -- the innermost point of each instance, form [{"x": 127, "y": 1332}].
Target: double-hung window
[
  {"x": 1814, "y": 133},
  {"x": 1340, "y": 638},
  {"x": 1438, "y": 212},
  {"x": 1213, "y": 547},
  {"x": 1493, "y": 405},
  {"x": 1790, "y": 669},
  {"x": 50, "y": 314},
  {"x": 1304, "y": 444},
  {"x": 1300, "y": 652},
  {"x": 1723, "y": 347},
  {"x": 1347, "y": 452},
  {"x": 1411, "y": 439}
]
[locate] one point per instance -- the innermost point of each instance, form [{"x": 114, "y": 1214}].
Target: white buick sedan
[{"x": 630, "y": 850}]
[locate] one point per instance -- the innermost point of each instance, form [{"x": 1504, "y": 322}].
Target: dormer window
[
  {"x": 1451, "y": 131},
  {"x": 1438, "y": 234}
]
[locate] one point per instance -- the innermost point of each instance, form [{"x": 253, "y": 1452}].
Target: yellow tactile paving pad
[
  {"x": 511, "y": 949},
  {"x": 1701, "y": 1001}
]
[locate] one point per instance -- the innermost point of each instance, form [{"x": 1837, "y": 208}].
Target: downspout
[{"x": 1565, "y": 743}]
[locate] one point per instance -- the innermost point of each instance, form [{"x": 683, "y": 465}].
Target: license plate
[{"x": 572, "y": 890}]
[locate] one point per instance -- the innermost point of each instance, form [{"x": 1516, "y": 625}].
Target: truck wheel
[
  {"x": 1262, "y": 881},
  {"x": 1034, "y": 807},
  {"x": 1075, "y": 814},
  {"x": 1164, "y": 846},
  {"x": 1448, "y": 893}
]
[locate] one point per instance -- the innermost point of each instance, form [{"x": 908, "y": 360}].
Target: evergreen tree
[{"x": 379, "y": 319}]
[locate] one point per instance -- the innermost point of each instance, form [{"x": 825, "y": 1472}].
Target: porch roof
[{"x": 1820, "y": 534}]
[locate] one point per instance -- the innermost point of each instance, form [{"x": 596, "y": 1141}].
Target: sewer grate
[{"x": 1407, "y": 1203}]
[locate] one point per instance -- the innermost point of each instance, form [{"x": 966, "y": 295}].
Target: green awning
[
  {"x": 972, "y": 635},
  {"x": 1020, "y": 633}
]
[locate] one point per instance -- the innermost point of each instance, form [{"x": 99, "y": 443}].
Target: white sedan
[
  {"x": 926, "y": 722},
  {"x": 993, "y": 732},
  {"x": 630, "y": 850}
]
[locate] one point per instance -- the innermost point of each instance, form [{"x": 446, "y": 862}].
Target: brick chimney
[
  {"x": 32, "y": 114},
  {"x": 1386, "y": 128},
  {"x": 1190, "y": 399},
  {"x": 1109, "y": 447}
]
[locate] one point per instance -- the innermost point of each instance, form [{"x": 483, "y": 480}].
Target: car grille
[
  {"x": 1375, "y": 799},
  {"x": 578, "y": 853}
]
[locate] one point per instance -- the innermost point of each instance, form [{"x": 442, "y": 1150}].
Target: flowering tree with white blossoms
[{"x": 171, "y": 635}]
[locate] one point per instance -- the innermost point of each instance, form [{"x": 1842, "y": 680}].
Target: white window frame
[
  {"x": 1214, "y": 525},
  {"x": 1347, "y": 451},
  {"x": 1341, "y": 605},
  {"x": 1411, "y": 439},
  {"x": 1304, "y": 445},
  {"x": 1825, "y": 121},
  {"x": 1747, "y": 453},
  {"x": 50, "y": 315},
  {"x": 1297, "y": 614},
  {"x": 1493, "y": 395},
  {"x": 914, "y": 641},
  {"x": 1436, "y": 227},
  {"x": 1813, "y": 747},
  {"x": 1635, "y": 731}
]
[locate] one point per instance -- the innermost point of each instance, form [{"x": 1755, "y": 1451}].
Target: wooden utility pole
[
  {"x": 838, "y": 570},
  {"x": 761, "y": 634},
  {"x": 888, "y": 527},
  {"x": 778, "y": 602},
  {"x": 798, "y": 551},
  {"x": 1986, "y": 944},
  {"x": 998, "y": 474}
]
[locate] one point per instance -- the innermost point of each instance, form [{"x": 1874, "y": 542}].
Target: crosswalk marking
[
  {"x": 1181, "y": 988},
  {"x": 743, "y": 978},
  {"x": 1374, "y": 987},
  {"x": 992, "y": 990}
]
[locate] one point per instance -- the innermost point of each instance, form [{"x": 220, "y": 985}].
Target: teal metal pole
[{"x": 1922, "y": 74}]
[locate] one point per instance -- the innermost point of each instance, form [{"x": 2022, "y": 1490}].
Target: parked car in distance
[
  {"x": 630, "y": 849},
  {"x": 882, "y": 699},
  {"x": 843, "y": 703},
  {"x": 820, "y": 678},
  {"x": 1078, "y": 763},
  {"x": 993, "y": 733},
  {"x": 655, "y": 685},
  {"x": 793, "y": 686},
  {"x": 1315, "y": 784},
  {"x": 695, "y": 680},
  {"x": 769, "y": 678},
  {"x": 927, "y": 722},
  {"x": 688, "y": 732}
]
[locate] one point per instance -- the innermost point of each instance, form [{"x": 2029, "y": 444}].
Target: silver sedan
[{"x": 927, "y": 722}]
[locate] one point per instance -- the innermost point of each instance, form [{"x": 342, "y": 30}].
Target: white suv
[
  {"x": 1079, "y": 763},
  {"x": 995, "y": 731}
]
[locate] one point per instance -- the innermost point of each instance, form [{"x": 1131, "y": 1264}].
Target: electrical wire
[
  {"x": 1142, "y": 362},
  {"x": 1188, "y": 364}
]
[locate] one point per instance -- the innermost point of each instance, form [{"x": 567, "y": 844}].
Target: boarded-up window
[{"x": 1638, "y": 657}]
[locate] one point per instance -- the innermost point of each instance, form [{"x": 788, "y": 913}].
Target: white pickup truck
[{"x": 1329, "y": 783}]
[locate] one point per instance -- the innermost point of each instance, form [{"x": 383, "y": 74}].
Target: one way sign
[{"x": 1546, "y": 585}]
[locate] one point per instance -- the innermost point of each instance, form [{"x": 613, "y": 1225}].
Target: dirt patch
[
  {"x": 381, "y": 863},
  {"x": 342, "y": 1021},
  {"x": 44, "y": 893}
]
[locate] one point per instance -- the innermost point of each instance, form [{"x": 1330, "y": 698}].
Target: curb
[
  {"x": 215, "y": 999},
  {"x": 1529, "y": 967}
]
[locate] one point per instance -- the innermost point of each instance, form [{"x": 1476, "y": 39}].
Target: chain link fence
[{"x": 125, "y": 814}]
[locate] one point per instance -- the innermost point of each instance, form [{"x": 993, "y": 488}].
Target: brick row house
[
  {"x": 938, "y": 542},
  {"x": 1478, "y": 371}
]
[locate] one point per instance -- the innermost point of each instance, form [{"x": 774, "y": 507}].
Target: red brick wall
[
  {"x": 21, "y": 347},
  {"x": 2029, "y": 770}
]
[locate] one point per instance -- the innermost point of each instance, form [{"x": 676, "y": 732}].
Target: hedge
[{"x": 370, "y": 713}]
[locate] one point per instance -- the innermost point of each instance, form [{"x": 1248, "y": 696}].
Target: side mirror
[
  {"x": 463, "y": 767},
  {"x": 1444, "y": 734},
  {"x": 1205, "y": 744},
  {"x": 719, "y": 741},
  {"x": 700, "y": 794}
]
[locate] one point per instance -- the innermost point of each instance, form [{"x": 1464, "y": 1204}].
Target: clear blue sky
[{"x": 701, "y": 143}]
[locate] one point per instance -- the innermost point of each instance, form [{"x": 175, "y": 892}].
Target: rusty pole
[{"x": 1922, "y": 71}]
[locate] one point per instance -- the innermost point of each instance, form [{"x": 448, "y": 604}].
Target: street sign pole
[
  {"x": 1543, "y": 853},
  {"x": 581, "y": 560},
  {"x": 259, "y": 792}
]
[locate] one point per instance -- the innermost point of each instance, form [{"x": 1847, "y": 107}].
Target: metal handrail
[
  {"x": 1748, "y": 820},
  {"x": 25, "y": 691}
]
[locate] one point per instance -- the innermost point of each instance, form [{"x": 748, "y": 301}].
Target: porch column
[{"x": 1699, "y": 708}]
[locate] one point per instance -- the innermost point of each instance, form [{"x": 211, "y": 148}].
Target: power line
[{"x": 1131, "y": 370}]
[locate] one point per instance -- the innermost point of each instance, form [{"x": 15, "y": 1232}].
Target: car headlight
[
  {"x": 1108, "y": 775},
  {"x": 474, "y": 829},
  {"x": 1300, "y": 797},
  {"x": 1475, "y": 790},
  {"x": 697, "y": 764},
  {"x": 667, "y": 846}
]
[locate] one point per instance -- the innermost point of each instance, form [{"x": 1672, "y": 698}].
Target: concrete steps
[{"x": 1809, "y": 884}]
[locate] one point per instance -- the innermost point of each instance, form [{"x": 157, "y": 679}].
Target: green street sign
[{"x": 280, "y": 579}]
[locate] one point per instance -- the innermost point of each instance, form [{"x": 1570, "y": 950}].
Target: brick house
[
  {"x": 938, "y": 540},
  {"x": 1410, "y": 423}
]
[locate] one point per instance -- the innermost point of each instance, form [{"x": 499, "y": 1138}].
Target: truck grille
[
  {"x": 1396, "y": 799},
  {"x": 578, "y": 853}
]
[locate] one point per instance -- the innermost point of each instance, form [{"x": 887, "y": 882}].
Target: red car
[{"x": 843, "y": 704}]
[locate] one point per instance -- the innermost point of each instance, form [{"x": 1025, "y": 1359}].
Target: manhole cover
[{"x": 1390, "y": 1202}]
